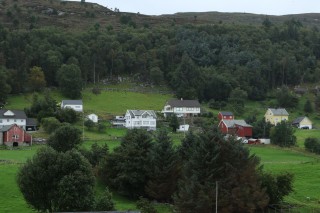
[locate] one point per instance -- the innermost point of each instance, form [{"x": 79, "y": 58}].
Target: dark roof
[
  {"x": 18, "y": 114},
  {"x": 226, "y": 113},
  {"x": 183, "y": 103},
  {"x": 297, "y": 120},
  {"x": 280, "y": 111},
  {"x": 72, "y": 102},
  {"x": 31, "y": 122}
]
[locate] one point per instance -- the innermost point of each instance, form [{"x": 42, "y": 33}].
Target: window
[
  {"x": 7, "y": 120},
  {"x": 21, "y": 120},
  {"x": 78, "y": 107},
  {"x": 15, "y": 120},
  {"x": 145, "y": 122},
  {"x": 152, "y": 122},
  {"x": 0, "y": 120},
  {"x": 15, "y": 136}
]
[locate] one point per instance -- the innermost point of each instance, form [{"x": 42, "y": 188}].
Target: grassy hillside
[{"x": 76, "y": 16}]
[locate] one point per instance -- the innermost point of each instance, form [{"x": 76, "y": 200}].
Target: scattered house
[
  {"x": 93, "y": 117},
  {"x": 225, "y": 116},
  {"x": 146, "y": 119},
  {"x": 302, "y": 123},
  {"x": 183, "y": 128},
  {"x": 182, "y": 108},
  {"x": 235, "y": 127},
  {"x": 275, "y": 116},
  {"x": 10, "y": 117},
  {"x": 76, "y": 105},
  {"x": 14, "y": 135}
]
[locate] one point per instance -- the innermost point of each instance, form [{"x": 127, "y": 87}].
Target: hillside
[{"x": 78, "y": 16}]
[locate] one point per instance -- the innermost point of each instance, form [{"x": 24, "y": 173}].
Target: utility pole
[{"x": 216, "y": 196}]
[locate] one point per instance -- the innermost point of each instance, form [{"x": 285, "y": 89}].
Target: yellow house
[
  {"x": 302, "y": 123},
  {"x": 275, "y": 116}
]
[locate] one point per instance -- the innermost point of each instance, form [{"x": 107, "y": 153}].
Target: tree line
[
  {"x": 206, "y": 62},
  {"x": 150, "y": 167}
]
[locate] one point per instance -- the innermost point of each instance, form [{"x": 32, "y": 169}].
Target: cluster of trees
[
  {"x": 60, "y": 178},
  {"x": 189, "y": 175},
  {"x": 209, "y": 62},
  {"x": 312, "y": 145}
]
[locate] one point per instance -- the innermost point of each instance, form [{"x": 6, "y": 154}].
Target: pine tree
[
  {"x": 227, "y": 164},
  {"x": 164, "y": 173}
]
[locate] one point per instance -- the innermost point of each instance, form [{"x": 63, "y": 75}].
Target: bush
[
  {"x": 50, "y": 124},
  {"x": 104, "y": 202},
  {"x": 312, "y": 145}
]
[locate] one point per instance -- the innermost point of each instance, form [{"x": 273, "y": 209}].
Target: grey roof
[
  {"x": 72, "y": 102},
  {"x": 18, "y": 114},
  {"x": 183, "y": 103},
  {"x": 6, "y": 128},
  {"x": 134, "y": 113},
  {"x": 298, "y": 120},
  {"x": 279, "y": 111},
  {"x": 226, "y": 113},
  {"x": 31, "y": 122},
  {"x": 232, "y": 123}
]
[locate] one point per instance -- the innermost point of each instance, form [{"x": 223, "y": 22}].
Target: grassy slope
[{"x": 305, "y": 168}]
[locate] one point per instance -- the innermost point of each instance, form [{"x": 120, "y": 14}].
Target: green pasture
[
  {"x": 303, "y": 134},
  {"x": 117, "y": 102},
  {"x": 304, "y": 166}
]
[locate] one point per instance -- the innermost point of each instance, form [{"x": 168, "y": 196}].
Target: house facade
[
  {"x": 275, "y": 116},
  {"x": 236, "y": 127},
  {"x": 225, "y": 116},
  {"x": 145, "y": 119},
  {"x": 76, "y": 105},
  {"x": 10, "y": 117},
  {"x": 14, "y": 135},
  {"x": 302, "y": 123},
  {"x": 181, "y": 108}
]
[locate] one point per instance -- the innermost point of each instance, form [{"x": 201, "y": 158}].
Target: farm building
[
  {"x": 302, "y": 123},
  {"x": 235, "y": 127},
  {"x": 275, "y": 116},
  {"x": 181, "y": 108},
  {"x": 225, "y": 116},
  {"x": 10, "y": 117},
  {"x": 76, "y": 105},
  {"x": 14, "y": 136}
]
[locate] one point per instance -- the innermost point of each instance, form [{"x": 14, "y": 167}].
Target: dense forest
[{"x": 207, "y": 61}]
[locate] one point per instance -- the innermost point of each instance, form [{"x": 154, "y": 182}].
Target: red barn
[
  {"x": 14, "y": 135},
  {"x": 225, "y": 116},
  {"x": 235, "y": 127}
]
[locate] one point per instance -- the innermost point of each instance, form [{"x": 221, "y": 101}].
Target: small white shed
[
  {"x": 93, "y": 117},
  {"x": 183, "y": 128}
]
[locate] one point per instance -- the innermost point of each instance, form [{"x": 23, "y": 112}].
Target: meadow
[{"x": 304, "y": 166}]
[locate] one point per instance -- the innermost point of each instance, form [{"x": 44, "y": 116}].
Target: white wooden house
[
  {"x": 76, "y": 105},
  {"x": 182, "y": 108},
  {"x": 302, "y": 123},
  {"x": 146, "y": 119},
  {"x": 10, "y": 117}
]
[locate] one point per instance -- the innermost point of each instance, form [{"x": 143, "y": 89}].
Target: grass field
[{"x": 304, "y": 166}]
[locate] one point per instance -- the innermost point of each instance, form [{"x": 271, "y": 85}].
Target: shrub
[{"x": 312, "y": 145}]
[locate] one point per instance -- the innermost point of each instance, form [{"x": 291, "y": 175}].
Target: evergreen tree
[
  {"x": 164, "y": 172},
  {"x": 173, "y": 122},
  {"x": 308, "y": 107},
  {"x": 216, "y": 164},
  {"x": 70, "y": 81},
  {"x": 126, "y": 168}
]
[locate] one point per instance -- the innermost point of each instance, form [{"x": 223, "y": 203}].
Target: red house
[
  {"x": 225, "y": 116},
  {"x": 14, "y": 135},
  {"x": 235, "y": 127}
]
